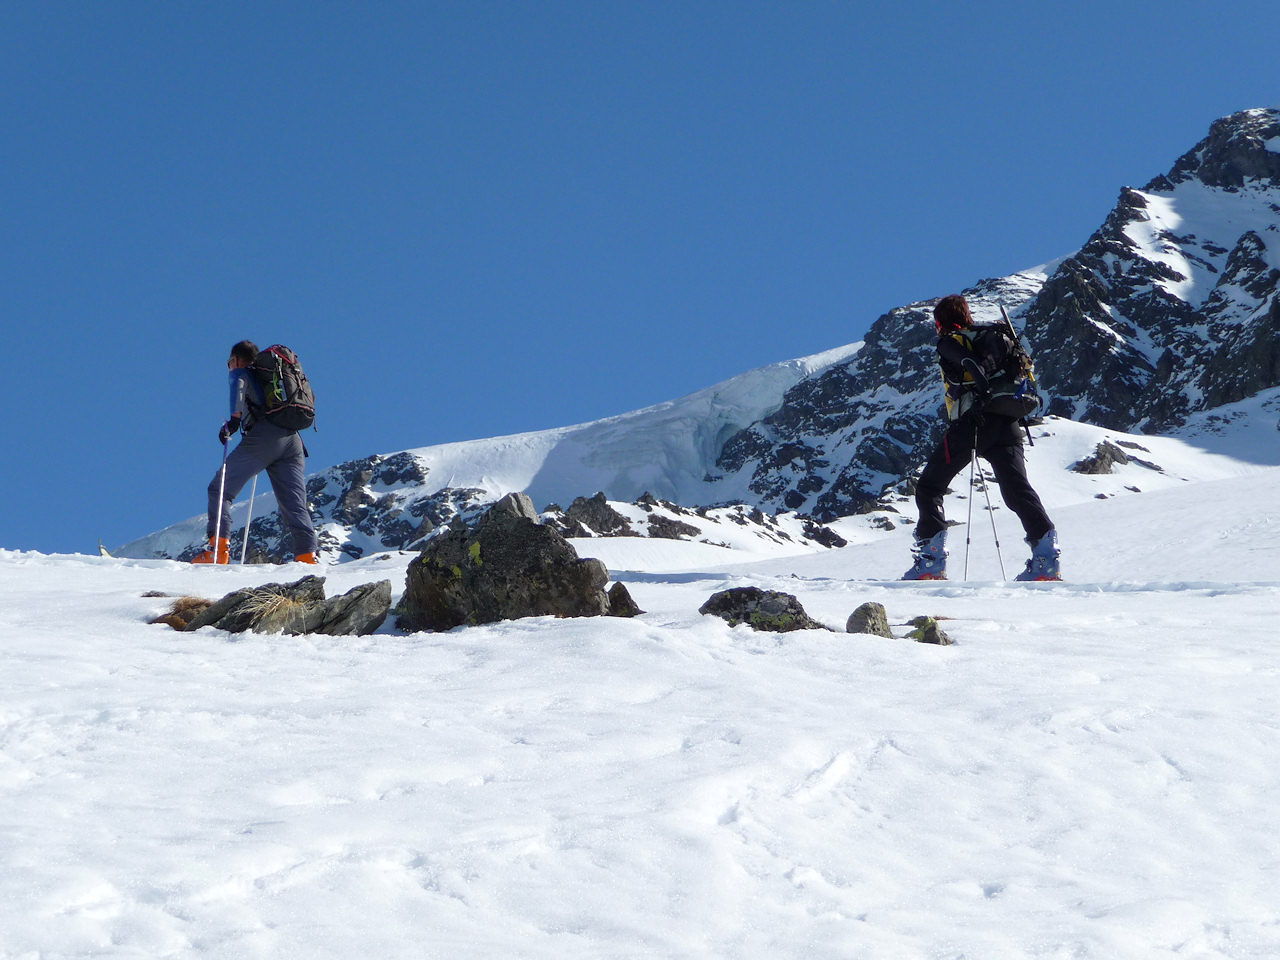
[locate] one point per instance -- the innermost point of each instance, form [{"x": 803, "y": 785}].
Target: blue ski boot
[
  {"x": 931, "y": 558},
  {"x": 1043, "y": 564}
]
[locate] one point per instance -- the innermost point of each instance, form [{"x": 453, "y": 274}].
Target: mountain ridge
[{"x": 1168, "y": 310}]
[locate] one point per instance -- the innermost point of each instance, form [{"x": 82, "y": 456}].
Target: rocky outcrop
[
  {"x": 1104, "y": 457},
  {"x": 1238, "y": 149},
  {"x": 507, "y": 567},
  {"x": 766, "y": 610},
  {"x": 299, "y": 608},
  {"x": 598, "y": 517},
  {"x": 1168, "y": 309},
  {"x": 843, "y": 439}
]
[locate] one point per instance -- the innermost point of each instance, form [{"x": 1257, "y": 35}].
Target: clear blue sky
[{"x": 479, "y": 218}]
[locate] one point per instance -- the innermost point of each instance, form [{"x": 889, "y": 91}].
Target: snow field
[{"x": 1089, "y": 772}]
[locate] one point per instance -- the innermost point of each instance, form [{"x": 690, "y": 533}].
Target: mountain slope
[
  {"x": 387, "y": 501},
  {"x": 1170, "y": 310}
]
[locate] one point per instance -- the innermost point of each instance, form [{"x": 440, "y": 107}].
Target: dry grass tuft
[
  {"x": 183, "y": 611},
  {"x": 267, "y": 604}
]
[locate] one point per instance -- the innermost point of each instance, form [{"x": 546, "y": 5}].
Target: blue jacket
[{"x": 246, "y": 395}]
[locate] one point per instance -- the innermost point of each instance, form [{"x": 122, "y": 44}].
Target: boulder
[
  {"x": 766, "y": 610},
  {"x": 870, "y": 618},
  {"x": 298, "y": 608},
  {"x": 507, "y": 567},
  {"x": 621, "y": 604},
  {"x": 927, "y": 630}
]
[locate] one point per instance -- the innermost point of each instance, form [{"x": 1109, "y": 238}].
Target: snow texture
[{"x": 1091, "y": 771}]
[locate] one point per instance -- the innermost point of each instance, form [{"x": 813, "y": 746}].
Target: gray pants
[{"x": 280, "y": 453}]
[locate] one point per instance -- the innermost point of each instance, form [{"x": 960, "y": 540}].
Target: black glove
[{"x": 229, "y": 428}]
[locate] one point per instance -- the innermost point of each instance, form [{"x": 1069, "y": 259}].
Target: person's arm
[{"x": 240, "y": 385}]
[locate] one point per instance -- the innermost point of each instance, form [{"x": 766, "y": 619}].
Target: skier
[
  {"x": 265, "y": 445},
  {"x": 972, "y": 359}
]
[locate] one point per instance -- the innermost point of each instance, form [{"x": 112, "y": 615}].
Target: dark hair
[
  {"x": 245, "y": 350},
  {"x": 952, "y": 313}
]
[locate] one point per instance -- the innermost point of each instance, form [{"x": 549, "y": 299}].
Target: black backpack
[
  {"x": 1010, "y": 375},
  {"x": 287, "y": 398}
]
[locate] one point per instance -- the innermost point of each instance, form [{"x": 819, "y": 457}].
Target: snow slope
[
  {"x": 1091, "y": 771},
  {"x": 666, "y": 450}
]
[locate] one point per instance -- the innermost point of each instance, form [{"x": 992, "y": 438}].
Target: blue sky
[{"x": 480, "y": 218}]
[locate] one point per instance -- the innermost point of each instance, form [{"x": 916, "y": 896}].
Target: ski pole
[
  {"x": 968, "y": 527},
  {"x": 991, "y": 513},
  {"x": 222, "y": 486},
  {"x": 248, "y": 518}
]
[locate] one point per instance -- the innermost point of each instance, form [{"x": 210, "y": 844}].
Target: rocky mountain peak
[{"x": 1242, "y": 147}]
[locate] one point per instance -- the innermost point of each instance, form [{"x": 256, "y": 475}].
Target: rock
[
  {"x": 599, "y": 517},
  {"x": 666, "y": 528},
  {"x": 298, "y": 608},
  {"x": 927, "y": 631},
  {"x": 182, "y": 611},
  {"x": 509, "y": 566},
  {"x": 1104, "y": 458},
  {"x": 621, "y": 604},
  {"x": 824, "y": 535},
  {"x": 766, "y": 610},
  {"x": 357, "y": 612},
  {"x": 870, "y": 618}
]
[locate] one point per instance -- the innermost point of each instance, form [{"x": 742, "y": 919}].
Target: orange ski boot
[{"x": 220, "y": 554}]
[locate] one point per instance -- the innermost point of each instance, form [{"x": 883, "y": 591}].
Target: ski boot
[
  {"x": 930, "y": 558},
  {"x": 218, "y": 552},
  {"x": 1043, "y": 564},
  {"x": 305, "y": 558}
]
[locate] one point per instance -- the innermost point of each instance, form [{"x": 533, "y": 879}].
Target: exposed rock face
[
  {"x": 598, "y": 517},
  {"x": 842, "y": 439},
  {"x": 509, "y": 566},
  {"x": 1106, "y": 456},
  {"x": 1171, "y": 307},
  {"x": 665, "y": 528},
  {"x": 1235, "y": 151},
  {"x": 298, "y": 608},
  {"x": 766, "y": 610}
]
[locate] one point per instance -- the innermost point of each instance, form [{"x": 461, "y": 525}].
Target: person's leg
[
  {"x": 929, "y": 553},
  {"x": 1010, "y": 468},
  {"x": 950, "y": 457},
  {"x": 240, "y": 467},
  {"x": 289, "y": 482}
]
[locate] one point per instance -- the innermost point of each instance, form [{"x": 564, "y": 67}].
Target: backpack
[
  {"x": 288, "y": 400},
  {"x": 1010, "y": 373}
]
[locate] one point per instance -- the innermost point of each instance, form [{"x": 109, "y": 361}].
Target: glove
[{"x": 228, "y": 429}]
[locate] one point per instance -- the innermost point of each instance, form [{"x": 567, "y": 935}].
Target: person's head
[
  {"x": 952, "y": 313},
  {"x": 243, "y": 354}
]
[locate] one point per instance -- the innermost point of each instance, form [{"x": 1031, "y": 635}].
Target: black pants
[{"x": 999, "y": 442}]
